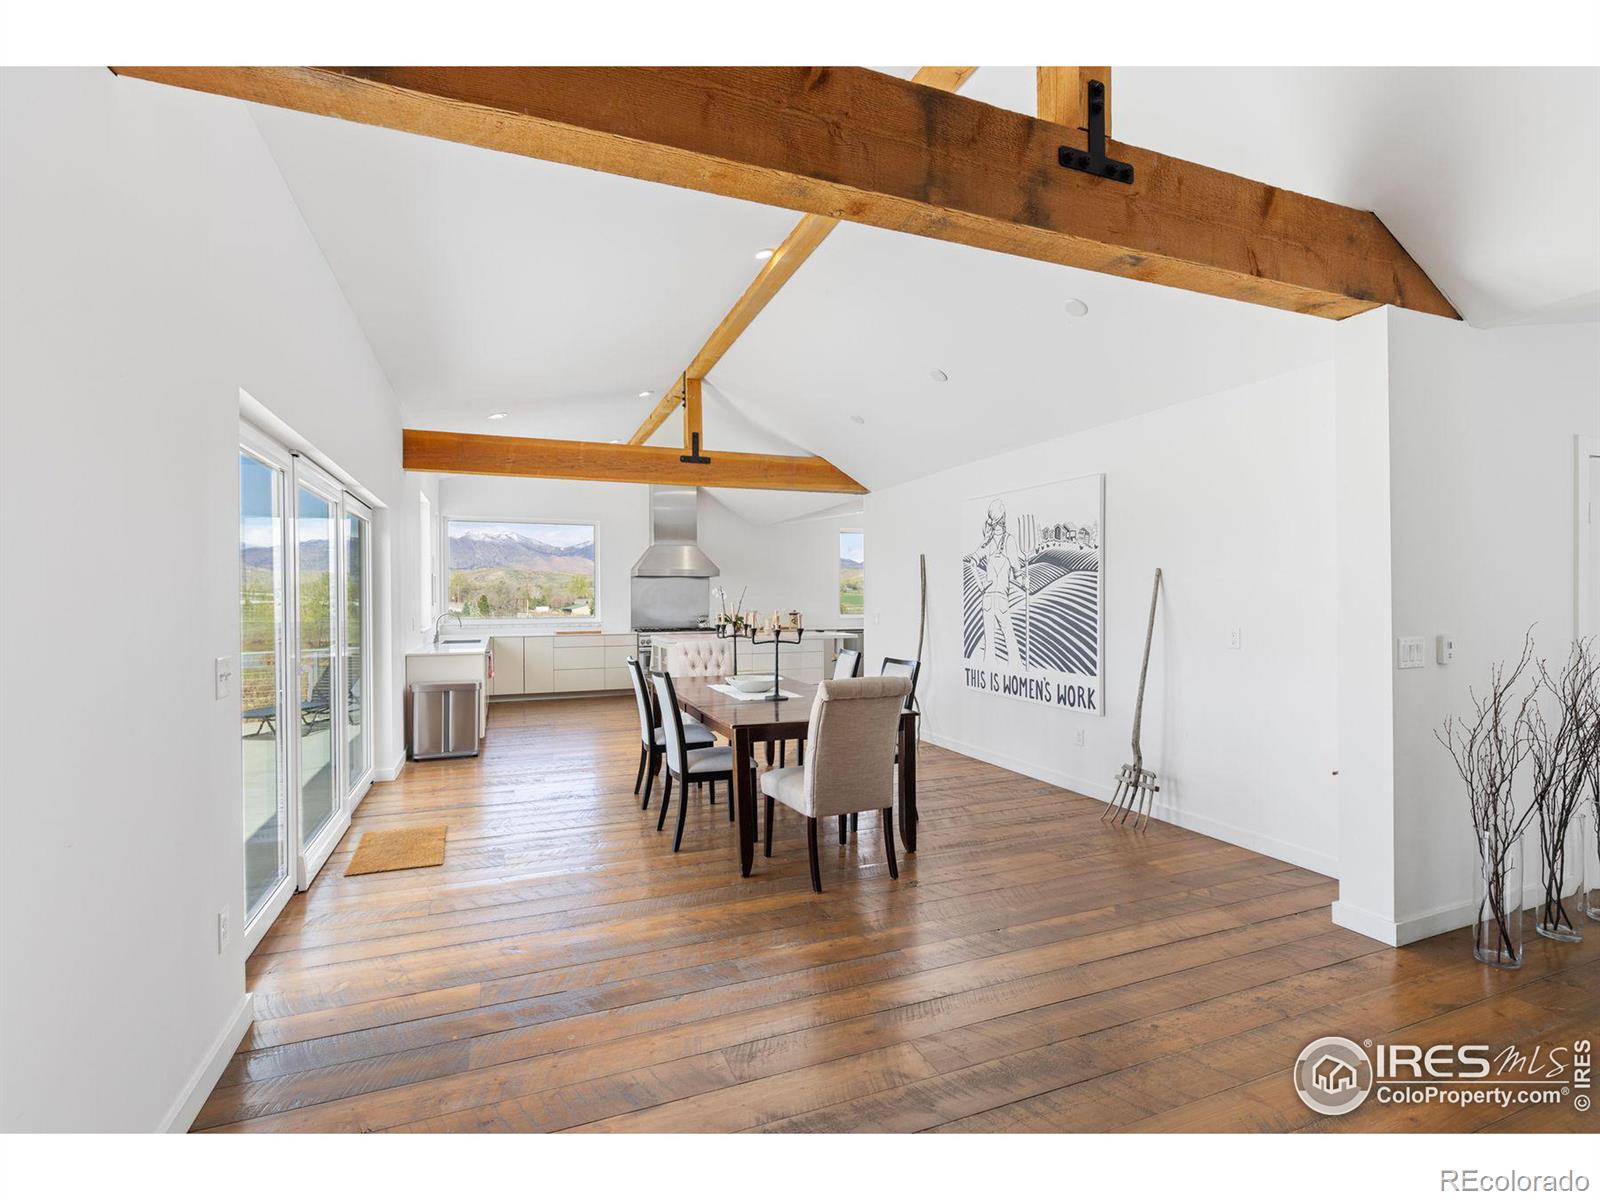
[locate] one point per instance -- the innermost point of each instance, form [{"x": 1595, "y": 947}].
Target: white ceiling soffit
[
  {"x": 1488, "y": 176},
  {"x": 860, "y": 331},
  {"x": 490, "y": 282}
]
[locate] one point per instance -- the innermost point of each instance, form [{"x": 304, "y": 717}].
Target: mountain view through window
[{"x": 519, "y": 571}]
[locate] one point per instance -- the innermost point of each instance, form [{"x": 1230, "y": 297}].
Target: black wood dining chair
[
  {"x": 652, "y": 738},
  {"x": 709, "y": 765}
]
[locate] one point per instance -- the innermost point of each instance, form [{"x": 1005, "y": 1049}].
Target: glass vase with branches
[
  {"x": 1562, "y": 758},
  {"x": 1488, "y": 749}
]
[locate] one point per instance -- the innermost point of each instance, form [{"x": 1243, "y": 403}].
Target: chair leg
[
  {"x": 855, "y": 822},
  {"x": 713, "y": 791},
  {"x": 783, "y": 752},
  {"x": 888, "y": 843},
  {"x": 733, "y": 811},
  {"x": 683, "y": 811},
  {"x": 666, "y": 801},
  {"x": 650, "y": 776},
  {"x": 844, "y": 827},
  {"x": 799, "y": 752},
  {"x": 769, "y": 826},
  {"x": 644, "y": 755},
  {"x": 811, "y": 844}
]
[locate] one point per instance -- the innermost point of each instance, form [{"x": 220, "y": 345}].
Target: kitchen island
[{"x": 700, "y": 655}]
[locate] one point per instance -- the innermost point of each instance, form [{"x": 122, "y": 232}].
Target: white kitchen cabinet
[
  {"x": 575, "y": 658},
  {"x": 508, "y": 667},
  {"x": 580, "y": 680},
  {"x": 538, "y": 661}
]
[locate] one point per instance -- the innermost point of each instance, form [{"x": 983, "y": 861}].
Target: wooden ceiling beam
[
  {"x": 613, "y": 462},
  {"x": 858, "y": 145},
  {"x": 804, "y": 238},
  {"x": 1063, "y": 94}
]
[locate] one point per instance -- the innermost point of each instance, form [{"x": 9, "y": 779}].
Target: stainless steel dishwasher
[{"x": 444, "y": 720}]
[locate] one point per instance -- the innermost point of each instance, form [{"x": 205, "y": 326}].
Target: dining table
[{"x": 749, "y": 723}]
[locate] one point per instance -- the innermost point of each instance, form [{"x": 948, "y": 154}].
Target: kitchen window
[
  {"x": 852, "y": 573},
  {"x": 519, "y": 571}
]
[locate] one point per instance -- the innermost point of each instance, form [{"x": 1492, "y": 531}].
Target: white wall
[
  {"x": 1482, "y": 429},
  {"x": 1232, "y": 496},
  {"x": 789, "y": 564},
  {"x": 154, "y": 266},
  {"x": 1364, "y": 699}
]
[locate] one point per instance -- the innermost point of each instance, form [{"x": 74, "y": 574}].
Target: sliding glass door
[
  {"x": 354, "y": 639},
  {"x": 305, "y": 554},
  {"x": 262, "y": 573},
  {"x": 316, "y": 622}
]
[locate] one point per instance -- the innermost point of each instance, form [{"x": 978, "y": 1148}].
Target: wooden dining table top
[{"x": 723, "y": 714}]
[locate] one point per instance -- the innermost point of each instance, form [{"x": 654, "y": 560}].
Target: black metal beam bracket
[{"x": 1094, "y": 160}]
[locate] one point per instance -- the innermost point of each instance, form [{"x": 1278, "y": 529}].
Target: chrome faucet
[{"x": 454, "y": 616}]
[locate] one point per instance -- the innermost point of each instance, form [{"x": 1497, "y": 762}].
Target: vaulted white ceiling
[{"x": 488, "y": 282}]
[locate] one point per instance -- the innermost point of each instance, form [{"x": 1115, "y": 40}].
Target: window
[
  {"x": 519, "y": 571},
  {"x": 852, "y": 572}
]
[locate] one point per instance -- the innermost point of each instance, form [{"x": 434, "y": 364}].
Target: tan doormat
[{"x": 398, "y": 850}]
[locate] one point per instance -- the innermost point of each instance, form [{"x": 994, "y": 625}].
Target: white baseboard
[
  {"x": 1368, "y": 924},
  {"x": 392, "y": 771},
  {"x": 1300, "y": 856},
  {"x": 1427, "y": 924},
  {"x": 187, "y": 1106}
]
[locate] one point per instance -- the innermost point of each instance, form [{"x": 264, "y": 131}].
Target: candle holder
[
  {"x": 776, "y": 641},
  {"x": 732, "y": 629}
]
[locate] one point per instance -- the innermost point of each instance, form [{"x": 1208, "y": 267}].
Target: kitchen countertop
[
  {"x": 810, "y": 635},
  {"x": 469, "y": 646}
]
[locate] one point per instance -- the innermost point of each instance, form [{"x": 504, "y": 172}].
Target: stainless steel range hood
[{"x": 674, "y": 526}]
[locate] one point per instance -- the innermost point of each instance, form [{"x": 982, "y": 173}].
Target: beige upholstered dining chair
[{"x": 853, "y": 734}]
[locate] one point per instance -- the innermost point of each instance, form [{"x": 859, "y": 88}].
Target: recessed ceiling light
[
  {"x": 644, "y": 395},
  {"x": 937, "y": 375},
  {"x": 1077, "y": 308},
  {"x": 859, "y": 420},
  {"x": 498, "y": 416},
  {"x": 763, "y": 255}
]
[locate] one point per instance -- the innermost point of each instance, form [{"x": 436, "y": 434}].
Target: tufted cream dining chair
[
  {"x": 698, "y": 658},
  {"x": 853, "y": 734}
]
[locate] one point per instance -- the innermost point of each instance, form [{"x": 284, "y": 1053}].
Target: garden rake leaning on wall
[{"x": 1136, "y": 787}]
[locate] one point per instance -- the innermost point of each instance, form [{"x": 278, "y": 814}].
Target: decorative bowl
[{"x": 751, "y": 683}]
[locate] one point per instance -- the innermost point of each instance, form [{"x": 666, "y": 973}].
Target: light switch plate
[
  {"x": 224, "y": 676},
  {"x": 1410, "y": 653},
  {"x": 1445, "y": 649},
  {"x": 1235, "y": 638}
]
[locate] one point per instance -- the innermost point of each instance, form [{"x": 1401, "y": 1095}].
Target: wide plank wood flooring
[{"x": 1032, "y": 969}]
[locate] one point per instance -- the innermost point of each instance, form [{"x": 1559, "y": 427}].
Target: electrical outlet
[
  {"x": 1079, "y": 737},
  {"x": 222, "y": 930},
  {"x": 1445, "y": 649},
  {"x": 224, "y": 676},
  {"x": 1235, "y": 638}
]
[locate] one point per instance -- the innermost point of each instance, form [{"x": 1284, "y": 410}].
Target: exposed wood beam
[
  {"x": 693, "y": 433},
  {"x": 1063, "y": 94},
  {"x": 858, "y": 145},
  {"x": 805, "y": 237},
  {"x": 485, "y": 454},
  {"x": 774, "y": 273}
]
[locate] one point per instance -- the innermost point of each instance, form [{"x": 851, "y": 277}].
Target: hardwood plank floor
[{"x": 1032, "y": 969}]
